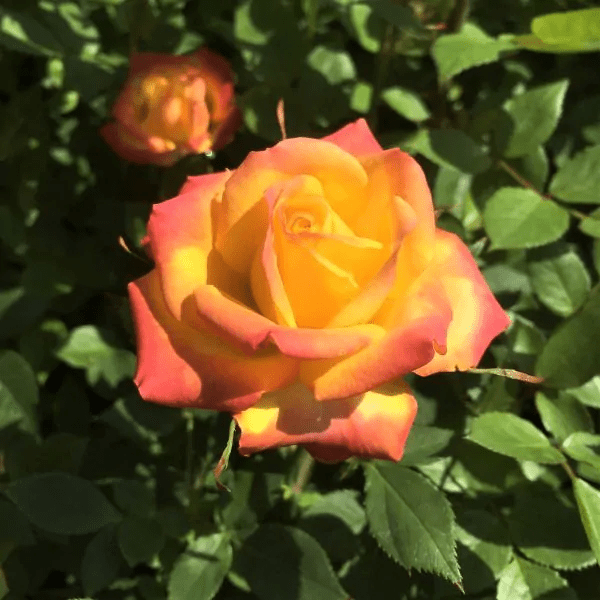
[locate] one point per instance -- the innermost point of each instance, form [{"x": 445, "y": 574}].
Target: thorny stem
[
  {"x": 527, "y": 184},
  {"x": 307, "y": 463}
]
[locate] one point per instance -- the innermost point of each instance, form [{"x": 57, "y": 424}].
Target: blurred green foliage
[{"x": 106, "y": 496}]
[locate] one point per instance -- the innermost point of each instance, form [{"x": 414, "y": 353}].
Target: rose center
[
  {"x": 163, "y": 108},
  {"x": 301, "y": 222}
]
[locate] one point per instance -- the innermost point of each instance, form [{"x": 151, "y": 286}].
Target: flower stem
[
  {"x": 567, "y": 467},
  {"x": 312, "y": 11},
  {"x": 388, "y": 40},
  {"x": 189, "y": 454},
  {"x": 306, "y": 465},
  {"x": 458, "y": 16}
]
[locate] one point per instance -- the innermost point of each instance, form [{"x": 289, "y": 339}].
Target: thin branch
[
  {"x": 307, "y": 463},
  {"x": 527, "y": 184}
]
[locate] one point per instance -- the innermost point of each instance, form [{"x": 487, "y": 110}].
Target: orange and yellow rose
[
  {"x": 290, "y": 291},
  {"x": 171, "y": 106}
]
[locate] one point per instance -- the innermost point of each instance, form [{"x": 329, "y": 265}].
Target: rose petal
[
  {"x": 182, "y": 366},
  {"x": 195, "y": 134},
  {"x": 292, "y": 264},
  {"x": 188, "y": 78},
  {"x": 225, "y": 129},
  {"x": 162, "y": 375},
  {"x": 400, "y": 351},
  {"x": 394, "y": 173},
  {"x": 248, "y": 330},
  {"x": 242, "y": 218},
  {"x": 217, "y": 73},
  {"x": 374, "y": 425},
  {"x": 180, "y": 233},
  {"x": 265, "y": 278},
  {"x": 477, "y": 316},
  {"x": 355, "y": 138},
  {"x": 363, "y": 307},
  {"x": 134, "y": 148}
]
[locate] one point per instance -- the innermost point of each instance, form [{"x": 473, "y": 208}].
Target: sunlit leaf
[
  {"x": 521, "y": 218},
  {"x": 512, "y": 436},
  {"x": 411, "y": 520}
]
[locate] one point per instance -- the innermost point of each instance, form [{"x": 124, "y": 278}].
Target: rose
[
  {"x": 171, "y": 106},
  {"x": 290, "y": 291}
]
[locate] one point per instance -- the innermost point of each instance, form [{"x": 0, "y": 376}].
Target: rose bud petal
[
  {"x": 171, "y": 106},
  {"x": 291, "y": 291}
]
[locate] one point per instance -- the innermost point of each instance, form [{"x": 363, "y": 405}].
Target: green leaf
[
  {"x": 584, "y": 447},
  {"x": 87, "y": 349},
  {"x": 535, "y": 114},
  {"x": 343, "y": 505},
  {"x": 201, "y": 568},
  {"x": 401, "y": 16},
  {"x": 562, "y": 283},
  {"x": 14, "y": 527},
  {"x": 406, "y": 103},
  {"x": 373, "y": 575},
  {"x": 578, "y": 179},
  {"x": 305, "y": 574},
  {"x": 524, "y": 580},
  {"x": 569, "y": 31},
  {"x": 101, "y": 561},
  {"x": 528, "y": 339},
  {"x": 366, "y": 27},
  {"x": 483, "y": 538},
  {"x": 362, "y": 97},
  {"x": 423, "y": 443},
  {"x": 451, "y": 148},
  {"x": 563, "y": 416},
  {"x": 521, "y": 218},
  {"x": 548, "y": 531},
  {"x": 588, "y": 393},
  {"x": 579, "y": 26},
  {"x": 588, "y": 502},
  {"x": 58, "y": 452},
  {"x": 451, "y": 188},
  {"x": 504, "y": 278},
  {"x": 336, "y": 66},
  {"x": 4, "y": 589},
  {"x": 140, "y": 539},
  {"x": 510, "y": 435},
  {"x": 239, "y": 512},
  {"x": 335, "y": 520},
  {"x": 134, "y": 497},
  {"x": 571, "y": 357},
  {"x": 62, "y": 503},
  {"x": 535, "y": 167},
  {"x": 19, "y": 31},
  {"x": 411, "y": 520},
  {"x": 471, "y": 47},
  {"x": 18, "y": 392},
  {"x": 245, "y": 29},
  {"x": 591, "y": 224}
]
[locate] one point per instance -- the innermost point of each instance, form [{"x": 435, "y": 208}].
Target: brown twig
[{"x": 502, "y": 164}]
